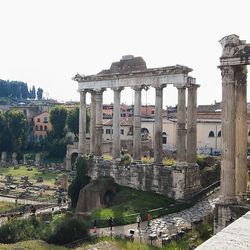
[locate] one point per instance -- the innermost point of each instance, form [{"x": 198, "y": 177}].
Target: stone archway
[{"x": 71, "y": 149}]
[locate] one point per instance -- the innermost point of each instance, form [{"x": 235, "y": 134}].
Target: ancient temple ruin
[
  {"x": 233, "y": 65},
  {"x": 132, "y": 72}
]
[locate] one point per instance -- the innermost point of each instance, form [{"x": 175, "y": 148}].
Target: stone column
[
  {"x": 82, "y": 124},
  {"x": 4, "y": 157},
  {"x": 93, "y": 123},
  {"x": 98, "y": 127},
  {"x": 37, "y": 159},
  {"x": 116, "y": 144},
  {"x": 181, "y": 125},
  {"x": 241, "y": 131},
  {"x": 228, "y": 136},
  {"x": 137, "y": 124},
  {"x": 158, "y": 126},
  {"x": 14, "y": 160},
  {"x": 192, "y": 124}
]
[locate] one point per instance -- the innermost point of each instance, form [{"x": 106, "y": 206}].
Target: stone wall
[{"x": 177, "y": 182}]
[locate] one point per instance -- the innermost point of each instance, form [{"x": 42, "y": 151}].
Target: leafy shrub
[
  {"x": 20, "y": 230},
  {"x": 125, "y": 159},
  {"x": 201, "y": 161},
  {"x": 69, "y": 230}
]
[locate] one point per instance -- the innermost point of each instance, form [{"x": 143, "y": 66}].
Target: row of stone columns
[
  {"x": 96, "y": 124},
  {"x": 234, "y": 133}
]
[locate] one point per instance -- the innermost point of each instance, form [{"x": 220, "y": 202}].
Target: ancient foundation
[{"x": 178, "y": 182}]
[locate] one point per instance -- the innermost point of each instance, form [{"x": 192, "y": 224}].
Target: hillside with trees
[{"x": 19, "y": 90}]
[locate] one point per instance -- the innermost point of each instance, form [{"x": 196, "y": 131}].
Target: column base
[{"x": 224, "y": 214}]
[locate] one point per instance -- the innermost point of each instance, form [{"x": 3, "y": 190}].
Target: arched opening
[
  {"x": 41, "y": 128},
  {"x": 219, "y": 134},
  {"x": 73, "y": 160},
  {"x": 45, "y": 128},
  {"x": 144, "y": 133},
  {"x": 164, "y": 138},
  {"x": 109, "y": 198},
  {"x": 211, "y": 134}
]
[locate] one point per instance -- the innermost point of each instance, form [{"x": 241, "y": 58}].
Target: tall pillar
[
  {"x": 137, "y": 124},
  {"x": 241, "y": 131},
  {"x": 82, "y": 124},
  {"x": 181, "y": 125},
  {"x": 98, "y": 127},
  {"x": 192, "y": 123},
  {"x": 93, "y": 123},
  {"x": 158, "y": 126},
  {"x": 116, "y": 143},
  {"x": 228, "y": 135}
]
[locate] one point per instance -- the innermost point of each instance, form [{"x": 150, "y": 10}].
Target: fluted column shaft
[
  {"x": 98, "y": 127},
  {"x": 181, "y": 125},
  {"x": 116, "y": 142},
  {"x": 192, "y": 124},
  {"x": 137, "y": 124},
  {"x": 82, "y": 124},
  {"x": 158, "y": 126},
  {"x": 93, "y": 123},
  {"x": 241, "y": 131},
  {"x": 228, "y": 135}
]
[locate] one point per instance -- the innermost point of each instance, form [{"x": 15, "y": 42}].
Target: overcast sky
[{"x": 46, "y": 42}]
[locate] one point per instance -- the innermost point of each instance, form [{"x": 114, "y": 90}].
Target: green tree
[
  {"x": 80, "y": 181},
  {"x": 58, "y": 116},
  {"x": 39, "y": 94},
  {"x": 73, "y": 121},
  {"x": 5, "y": 142},
  {"x": 16, "y": 128},
  {"x": 32, "y": 94}
]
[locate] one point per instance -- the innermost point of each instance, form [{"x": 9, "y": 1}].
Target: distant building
[{"x": 41, "y": 125}]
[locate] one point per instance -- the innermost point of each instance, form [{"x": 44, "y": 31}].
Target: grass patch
[
  {"x": 7, "y": 206},
  {"x": 31, "y": 244},
  {"x": 117, "y": 243},
  {"x": 48, "y": 177}
]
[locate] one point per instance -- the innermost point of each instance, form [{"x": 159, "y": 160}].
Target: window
[
  {"x": 45, "y": 128},
  {"x": 164, "y": 138},
  {"x": 249, "y": 133},
  {"x": 211, "y": 134},
  {"x": 152, "y": 112},
  {"x": 45, "y": 119},
  {"x": 36, "y": 128},
  {"x": 41, "y": 128},
  {"x": 38, "y": 119},
  {"x": 108, "y": 131},
  {"x": 122, "y": 131},
  {"x": 219, "y": 134}
]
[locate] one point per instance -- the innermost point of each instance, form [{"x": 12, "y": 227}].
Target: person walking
[
  {"x": 94, "y": 226},
  {"x": 111, "y": 223},
  {"x": 148, "y": 218},
  {"x": 138, "y": 220}
]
